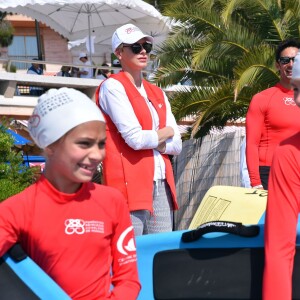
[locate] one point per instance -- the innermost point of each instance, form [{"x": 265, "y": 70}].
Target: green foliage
[
  {"x": 225, "y": 49},
  {"x": 12, "y": 68},
  {"x": 14, "y": 175},
  {"x": 6, "y": 32}
]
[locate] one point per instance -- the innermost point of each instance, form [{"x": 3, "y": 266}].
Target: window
[{"x": 23, "y": 47}]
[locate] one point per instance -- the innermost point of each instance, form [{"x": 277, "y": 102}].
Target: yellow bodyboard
[{"x": 231, "y": 203}]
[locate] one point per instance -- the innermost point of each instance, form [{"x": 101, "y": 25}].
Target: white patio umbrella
[{"x": 77, "y": 19}]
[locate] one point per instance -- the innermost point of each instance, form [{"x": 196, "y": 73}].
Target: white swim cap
[
  {"x": 57, "y": 112},
  {"x": 296, "y": 67}
]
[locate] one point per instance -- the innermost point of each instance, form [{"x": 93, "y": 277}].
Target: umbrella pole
[{"x": 90, "y": 41}]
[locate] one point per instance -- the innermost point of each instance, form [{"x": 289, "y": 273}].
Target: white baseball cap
[
  {"x": 57, "y": 112},
  {"x": 82, "y": 54},
  {"x": 116, "y": 62},
  {"x": 128, "y": 34},
  {"x": 296, "y": 67}
]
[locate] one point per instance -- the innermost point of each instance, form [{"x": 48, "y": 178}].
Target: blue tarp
[{"x": 18, "y": 139}]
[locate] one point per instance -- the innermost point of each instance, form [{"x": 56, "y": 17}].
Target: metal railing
[{"x": 8, "y": 62}]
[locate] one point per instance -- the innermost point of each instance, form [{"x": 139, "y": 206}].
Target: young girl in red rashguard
[{"x": 77, "y": 231}]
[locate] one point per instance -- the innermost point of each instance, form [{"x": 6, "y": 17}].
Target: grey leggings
[{"x": 162, "y": 219}]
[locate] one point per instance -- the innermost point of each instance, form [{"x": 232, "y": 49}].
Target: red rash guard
[
  {"x": 78, "y": 239},
  {"x": 282, "y": 211},
  {"x": 272, "y": 117}
]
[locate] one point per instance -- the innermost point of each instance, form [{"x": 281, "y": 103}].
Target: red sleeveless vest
[{"x": 131, "y": 171}]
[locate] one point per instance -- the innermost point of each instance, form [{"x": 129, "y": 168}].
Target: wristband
[{"x": 257, "y": 186}]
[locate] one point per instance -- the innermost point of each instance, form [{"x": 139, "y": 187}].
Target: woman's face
[
  {"x": 132, "y": 61},
  {"x": 74, "y": 158}
]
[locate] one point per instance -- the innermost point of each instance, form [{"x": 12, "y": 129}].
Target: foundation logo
[
  {"x": 131, "y": 29},
  {"x": 74, "y": 226},
  {"x": 126, "y": 243},
  {"x": 34, "y": 121},
  {"x": 289, "y": 101},
  {"x": 79, "y": 226}
]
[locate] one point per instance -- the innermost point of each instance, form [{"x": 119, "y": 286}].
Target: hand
[
  {"x": 164, "y": 134},
  {"x": 258, "y": 187},
  {"x": 161, "y": 148}
]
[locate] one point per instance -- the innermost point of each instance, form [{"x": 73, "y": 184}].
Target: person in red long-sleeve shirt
[
  {"x": 272, "y": 116},
  {"x": 78, "y": 232},
  {"x": 283, "y": 207}
]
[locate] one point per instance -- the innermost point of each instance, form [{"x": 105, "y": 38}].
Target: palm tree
[{"x": 225, "y": 49}]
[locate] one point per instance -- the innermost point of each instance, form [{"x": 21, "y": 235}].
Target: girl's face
[
  {"x": 74, "y": 158},
  {"x": 296, "y": 87}
]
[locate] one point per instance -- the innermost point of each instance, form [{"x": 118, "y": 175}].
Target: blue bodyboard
[{"x": 24, "y": 279}]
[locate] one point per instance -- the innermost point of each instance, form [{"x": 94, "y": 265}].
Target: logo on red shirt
[
  {"x": 79, "y": 226},
  {"x": 289, "y": 101},
  {"x": 125, "y": 242}
]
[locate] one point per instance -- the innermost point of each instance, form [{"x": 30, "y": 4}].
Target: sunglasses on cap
[
  {"x": 286, "y": 60},
  {"x": 136, "y": 48}
]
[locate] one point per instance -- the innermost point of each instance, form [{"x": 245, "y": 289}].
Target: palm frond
[
  {"x": 225, "y": 49},
  {"x": 256, "y": 69}
]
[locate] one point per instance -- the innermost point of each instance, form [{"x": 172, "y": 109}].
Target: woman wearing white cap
[
  {"x": 85, "y": 71},
  {"x": 75, "y": 230},
  {"x": 142, "y": 132},
  {"x": 282, "y": 211}
]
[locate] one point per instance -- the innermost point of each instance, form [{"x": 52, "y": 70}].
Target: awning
[{"x": 18, "y": 139}]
